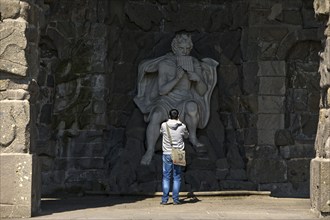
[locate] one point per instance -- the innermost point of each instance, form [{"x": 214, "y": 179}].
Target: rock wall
[
  {"x": 264, "y": 109},
  {"x": 19, "y": 68},
  {"x": 320, "y": 165}
]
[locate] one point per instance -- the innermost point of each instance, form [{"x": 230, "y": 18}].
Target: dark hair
[{"x": 174, "y": 114}]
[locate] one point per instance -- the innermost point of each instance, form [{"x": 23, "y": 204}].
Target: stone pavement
[{"x": 201, "y": 207}]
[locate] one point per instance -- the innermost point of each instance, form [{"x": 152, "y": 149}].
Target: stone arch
[{"x": 293, "y": 38}]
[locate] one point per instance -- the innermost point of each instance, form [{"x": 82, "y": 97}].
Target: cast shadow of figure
[
  {"x": 190, "y": 198},
  {"x": 59, "y": 205}
]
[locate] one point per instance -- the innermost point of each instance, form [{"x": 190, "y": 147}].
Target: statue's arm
[{"x": 165, "y": 84}]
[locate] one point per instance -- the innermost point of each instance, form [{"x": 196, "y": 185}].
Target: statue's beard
[{"x": 186, "y": 62}]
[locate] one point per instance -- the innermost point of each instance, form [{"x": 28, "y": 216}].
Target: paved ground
[{"x": 211, "y": 207}]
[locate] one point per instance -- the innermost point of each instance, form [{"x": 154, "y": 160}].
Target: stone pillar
[
  {"x": 320, "y": 165},
  {"x": 19, "y": 65}
]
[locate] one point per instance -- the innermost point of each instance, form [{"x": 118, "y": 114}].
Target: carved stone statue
[{"x": 175, "y": 80}]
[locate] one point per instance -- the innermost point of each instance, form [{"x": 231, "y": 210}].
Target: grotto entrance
[{"x": 263, "y": 115}]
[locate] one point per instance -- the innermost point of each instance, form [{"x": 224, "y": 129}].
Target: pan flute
[{"x": 186, "y": 62}]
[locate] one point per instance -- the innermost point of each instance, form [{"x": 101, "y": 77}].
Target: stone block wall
[
  {"x": 264, "y": 109},
  {"x": 320, "y": 165},
  {"x": 74, "y": 132},
  {"x": 19, "y": 68}
]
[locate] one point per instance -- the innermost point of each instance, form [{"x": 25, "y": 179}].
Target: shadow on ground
[{"x": 57, "y": 205}]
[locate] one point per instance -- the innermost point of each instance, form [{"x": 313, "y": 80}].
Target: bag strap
[{"x": 169, "y": 134}]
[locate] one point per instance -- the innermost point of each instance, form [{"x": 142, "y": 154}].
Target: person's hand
[
  {"x": 193, "y": 76},
  {"x": 179, "y": 72}
]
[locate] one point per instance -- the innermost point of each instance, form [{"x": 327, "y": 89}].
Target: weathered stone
[
  {"x": 146, "y": 174},
  {"x": 271, "y": 104},
  {"x": 297, "y": 151},
  {"x": 267, "y": 151},
  {"x": 237, "y": 185},
  {"x": 324, "y": 66},
  {"x": 322, "y": 133},
  {"x": 276, "y": 12},
  {"x": 263, "y": 42},
  {"x": 46, "y": 163},
  {"x": 303, "y": 75},
  {"x": 240, "y": 8},
  {"x": 283, "y": 138},
  {"x": 292, "y": 4},
  {"x": 201, "y": 180},
  {"x": 237, "y": 174},
  {"x": 137, "y": 13},
  {"x": 232, "y": 86},
  {"x": 215, "y": 130},
  {"x": 261, "y": 17},
  {"x": 11, "y": 94},
  {"x": 13, "y": 44},
  {"x": 309, "y": 124},
  {"x": 250, "y": 103},
  {"x": 250, "y": 136},
  {"x": 250, "y": 79},
  {"x": 272, "y": 68},
  {"x": 291, "y": 39},
  {"x": 46, "y": 114},
  {"x": 328, "y": 98},
  {"x": 234, "y": 157},
  {"x": 320, "y": 185},
  {"x": 286, "y": 189},
  {"x": 178, "y": 17},
  {"x": 266, "y": 136},
  {"x": 309, "y": 20},
  {"x": 267, "y": 170},
  {"x": 314, "y": 101},
  {"x": 66, "y": 94},
  {"x": 76, "y": 163},
  {"x": 99, "y": 107},
  {"x": 272, "y": 86},
  {"x": 19, "y": 185},
  {"x": 270, "y": 121},
  {"x": 298, "y": 54},
  {"x": 212, "y": 151},
  {"x": 222, "y": 163},
  {"x": 89, "y": 175},
  {"x": 292, "y": 17},
  {"x": 321, "y": 7},
  {"x": 148, "y": 186},
  {"x": 298, "y": 170},
  {"x": 14, "y": 129},
  {"x": 299, "y": 100},
  {"x": 221, "y": 174},
  {"x": 202, "y": 164},
  {"x": 224, "y": 16},
  {"x": 9, "y": 9}
]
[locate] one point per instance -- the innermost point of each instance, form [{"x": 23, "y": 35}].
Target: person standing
[{"x": 173, "y": 131}]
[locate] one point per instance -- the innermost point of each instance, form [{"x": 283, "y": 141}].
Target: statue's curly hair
[{"x": 180, "y": 38}]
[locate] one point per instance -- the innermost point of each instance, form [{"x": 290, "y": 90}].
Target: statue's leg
[
  {"x": 191, "y": 120},
  {"x": 152, "y": 135}
]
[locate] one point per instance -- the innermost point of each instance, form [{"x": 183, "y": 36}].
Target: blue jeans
[{"x": 168, "y": 167}]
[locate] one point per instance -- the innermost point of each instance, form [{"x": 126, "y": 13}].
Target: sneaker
[
  {"x": 177, "y": 203},
  {"x": 163, "y": 203}
]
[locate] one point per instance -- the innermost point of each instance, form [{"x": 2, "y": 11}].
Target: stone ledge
[
  {"x": 320, "y": 185},
  {"x": 19, "y": 185}
]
